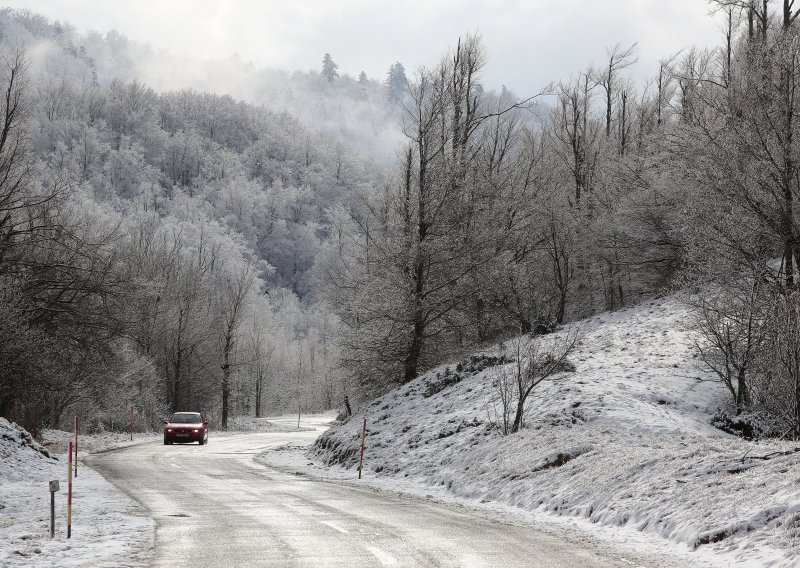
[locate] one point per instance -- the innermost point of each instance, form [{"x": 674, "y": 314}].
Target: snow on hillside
[
  {"x": 624, "y": 441},
  {"x": 107, "y": 527}
]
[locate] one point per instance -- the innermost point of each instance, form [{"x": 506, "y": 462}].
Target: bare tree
[
  {"x": 503, "y": 404},
  {"x": 732, "y": 327},
  {"x": 777, "y": 389},
  {"x": 746, "y": 139},
  {"x": 535, "y": 360},
  {"x": 756, "y": 12},
  {"x": 619, "y": 59},
  {"x": 261, "y": 359},
  {"x": 235, "y": 290},
  {"x": 577, "y": 135},
  {"x": 790, "y": 13},
  {"x": 420, "y": 243}
]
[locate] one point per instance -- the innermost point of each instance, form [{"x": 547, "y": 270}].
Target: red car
[{"x": 185, "y": 427}]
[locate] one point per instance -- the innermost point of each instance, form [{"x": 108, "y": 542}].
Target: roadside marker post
[
  {"x": 363, "y": 440},
  {"x": 69, "y": 494},
  {"x": 53, "y": 488},
  {"x": 76, "y": 446}
]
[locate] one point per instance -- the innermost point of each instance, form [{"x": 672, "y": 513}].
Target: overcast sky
[{"x": 530, "y": 42}]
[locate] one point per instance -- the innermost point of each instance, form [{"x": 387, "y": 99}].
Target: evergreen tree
[
  {"x": 362, "y": 86},
  {"x": 329, "y": 68},
  {"x": 396, "y": 82}
]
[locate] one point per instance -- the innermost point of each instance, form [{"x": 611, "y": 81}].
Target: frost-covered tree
[
  {"x": 329, "y": 69},
  {"x": 412, "y": 253},
  {"x": 396, "y": 82},
  {"x": 236, "y": 287},
  {"x": 533, "y": 363}
]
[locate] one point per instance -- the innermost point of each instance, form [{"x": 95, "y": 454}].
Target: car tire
[
  {"x": 165, "y": 442},
  {"x": 201, "y": 442}
]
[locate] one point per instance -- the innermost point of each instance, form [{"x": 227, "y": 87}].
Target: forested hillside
[
  {"x": 357, "y": 109},
  {"x": 496, "y": 225},
  {"x": 157, "y": 247},
  {"x": 162, "y": 249}
]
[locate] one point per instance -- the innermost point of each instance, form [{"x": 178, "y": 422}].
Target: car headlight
[
  {"x": 169, "y": 429},
  {"x": 195, "y": 431}
]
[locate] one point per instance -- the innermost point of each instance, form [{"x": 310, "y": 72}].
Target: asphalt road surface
[{"x": 214, "y": 505}]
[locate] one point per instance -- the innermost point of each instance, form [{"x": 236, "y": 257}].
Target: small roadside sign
[{"x": 53, "y": 488}]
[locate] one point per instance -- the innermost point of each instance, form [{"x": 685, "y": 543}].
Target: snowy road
[{"x": 215, "y": 506}]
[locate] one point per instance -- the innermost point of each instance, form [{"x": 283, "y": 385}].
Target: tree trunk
[
  {"x": 797, "y": 407},
  {"x": 415, "y": 348},
  {"x": 480, "y": 328},
  {"x": 788, "y": 254},
  {"x": 611, "y": 294},
  {"x": 259, "y": 382},
  {"x": 788, "y": 175},
  {"x": 226, "y": 377},
  {"x": 742, "y": 392},
  {"x": 176, "y": 375},
  {"x": 517, "y": 424},
  {"x": 411, "y": 362},
  {"x": 561, "y": 307}
]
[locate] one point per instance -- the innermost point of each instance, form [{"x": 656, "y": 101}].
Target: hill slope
[{"x": 624, "y": 441}]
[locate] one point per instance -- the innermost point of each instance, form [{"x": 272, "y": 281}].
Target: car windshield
[{"x": 185, "y": 418}]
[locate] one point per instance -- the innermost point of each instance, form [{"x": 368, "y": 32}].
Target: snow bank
[
  {"x": 107, "y": 527},
  {"x": 624, "y": 441}
]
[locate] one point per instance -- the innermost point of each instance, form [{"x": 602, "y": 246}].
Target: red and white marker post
[
  {"x": 76, "y": 446},
  {"x": 69, "y": 494},
  {"x": 363, "y": 440}
]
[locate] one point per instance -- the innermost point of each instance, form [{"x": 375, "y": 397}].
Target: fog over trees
[{"x": 164, "y": 250}]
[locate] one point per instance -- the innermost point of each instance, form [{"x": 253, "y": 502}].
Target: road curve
[{"x": 215, "y": 506}]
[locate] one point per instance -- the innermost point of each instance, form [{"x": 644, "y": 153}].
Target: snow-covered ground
[
  {"x": 57, "y": 441},
  {"x": 108, "y": 528},
  {"x": 287, "y": 423},
  {"x": 622, "y": 446}
]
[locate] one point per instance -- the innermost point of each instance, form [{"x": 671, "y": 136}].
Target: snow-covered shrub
[
  {"x": 735, "y": 425},
  {"x": 534, "y": 362}
]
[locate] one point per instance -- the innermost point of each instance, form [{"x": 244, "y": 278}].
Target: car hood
[{"x": 175, "y": 426}]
